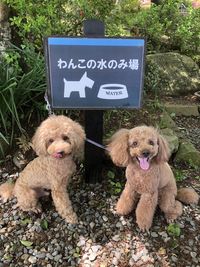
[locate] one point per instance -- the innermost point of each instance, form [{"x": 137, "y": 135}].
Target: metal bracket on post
[{"x": 93, "y": 119}]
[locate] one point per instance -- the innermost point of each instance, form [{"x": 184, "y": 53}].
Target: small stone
[
  {"x": 24, "y": 257},
  {"x": 3, "y": 230},
  {"x": 154, "y": 234},
  {"x": 92, "y": 224},
  {"x": 191, "y": 242},
  {"x": 95, "y": 248},
  {"x": 55, "y": 253},
  {"x": 57, "y": 257},
  {"x": 118, "y": 225},
  {"x": 41, "y": 255},
  {"x": 92, "y": 256},
  {"x": 49, "y": 256},
  {"x": 32, "y": 259},
  {"x": 81, "y": 243},
  {"x": 116, "y": 238},
  {"x": 105, "y": 218},
  {"x": 174, "y": 259},
  {"x": 193, "y": 254},
  {"x": 115, "y": 261}
]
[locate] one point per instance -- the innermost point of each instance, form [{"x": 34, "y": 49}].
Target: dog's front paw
[
  {"x": 144, "y": 224},
  {"x": 37, "y": 209},
  {"x": 72, "y": 218},
  {"x": 122, "y": 208},
  {"x": 170, "y": 220}
]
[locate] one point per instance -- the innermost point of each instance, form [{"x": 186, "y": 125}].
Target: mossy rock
[
  {"x": 182, "y": 109},
  {"x": 188, "y": 154},
  {"x": 166, "y": 121},
  {"x": 175, "y": 74}
]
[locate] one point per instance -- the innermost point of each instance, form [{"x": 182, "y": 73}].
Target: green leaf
[
  {"x": 111, "y": 174},
  {"x": 7, "y": 257},
  {"x": 44, "y": 224},
  {"x": 173, "y": 229},
  {"x": 26, "y": 221},
  {"x": 117, "y": 190},
  {"x": 118, "y": 185},
  {"x": 26, "y": 243},
  {"x": 76, "y": 255}
]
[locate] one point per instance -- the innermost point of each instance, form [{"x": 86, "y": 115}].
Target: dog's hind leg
[
  {"x": 127, "y": 200},
  {"x": 6, "y": 191},
  {"x": 168, "y": 204},
  {"x": 27, "y": 198}
]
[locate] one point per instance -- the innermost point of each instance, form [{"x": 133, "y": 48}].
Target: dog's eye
[
  {"x": 151, "y": 142},
  {"x": 50, "y": 141},
  {"x": 66, "y": 138},
  {"x": 134, "y": 144}
]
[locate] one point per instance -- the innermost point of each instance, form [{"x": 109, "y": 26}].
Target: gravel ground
[{"x": 102, "y": 238}]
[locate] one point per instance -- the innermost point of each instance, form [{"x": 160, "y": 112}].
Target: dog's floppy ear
[
  {"x": 40, "y": 137},
  {"x": 118, "y": 148},
  {"x": 39, "y": 140},
  {"x": 163, "y": 149},
  {"x": 77, "y": 137}
]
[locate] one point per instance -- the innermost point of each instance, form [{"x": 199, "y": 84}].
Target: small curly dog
[
  {"x": 150, "y": 181},
  {"x": 57, "y": 141}
]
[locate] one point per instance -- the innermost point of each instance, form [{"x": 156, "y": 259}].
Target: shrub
[
  {"x": 19, "y": 91},
  {"x": 33, "y": 20},
  {"x": 167, "y": 29}
]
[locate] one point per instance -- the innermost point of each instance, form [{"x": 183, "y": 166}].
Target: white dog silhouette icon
[{"x": 77, "y": 86}]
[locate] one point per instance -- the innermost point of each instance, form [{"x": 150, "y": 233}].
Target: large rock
[
  {"x": 175, "y": 74},
  {"x": 182, "y": 109},
  {"x": 187, "y": 154},
  {"x": 166, "y": 122},
  {"x": 4, "y": 12}
]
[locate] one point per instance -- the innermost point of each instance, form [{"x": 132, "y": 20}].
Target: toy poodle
[
  {"x": 150, "y": 180},
  {"x": 57, "y": 142}
]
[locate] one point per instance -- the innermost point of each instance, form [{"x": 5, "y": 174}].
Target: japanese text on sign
[{"x": 101, "y": 64}]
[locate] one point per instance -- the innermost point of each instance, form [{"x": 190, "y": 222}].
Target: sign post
[
  {"x": 93, "y": 120},
  {"x": 94, "y": 73}
]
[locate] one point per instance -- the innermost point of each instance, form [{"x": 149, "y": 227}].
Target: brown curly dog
[
  {"x": 150, "y": 181},
  {"x": 57, "y": 141}
]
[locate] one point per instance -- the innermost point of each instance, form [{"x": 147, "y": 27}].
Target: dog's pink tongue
[
  {"x": 57, "y": 155},
  {"x": 144, "y": 164}
]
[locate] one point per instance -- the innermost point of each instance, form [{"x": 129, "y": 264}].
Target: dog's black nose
[
  {"x": 61, "y": 152},
  {"x": 145, "y": 153}
]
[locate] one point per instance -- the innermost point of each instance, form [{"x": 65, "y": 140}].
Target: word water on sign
[{"x": 113, "y": 91}]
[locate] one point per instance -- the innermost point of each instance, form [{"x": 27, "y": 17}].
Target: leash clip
[{"x": 48, "y": 106}]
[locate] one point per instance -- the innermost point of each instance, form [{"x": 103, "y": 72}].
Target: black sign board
[{"x": 95, "y": 73}]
